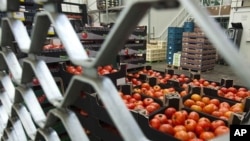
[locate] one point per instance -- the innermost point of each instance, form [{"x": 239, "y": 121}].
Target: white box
[{"x": 177, "y": 59}]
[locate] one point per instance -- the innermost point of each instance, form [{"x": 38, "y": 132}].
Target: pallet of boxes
[
  {"x": 156, "y": 51},
  {"x": 198, "y": 54}
]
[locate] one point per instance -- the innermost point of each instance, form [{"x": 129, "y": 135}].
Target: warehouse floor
[{"x": 220, "y": 71}]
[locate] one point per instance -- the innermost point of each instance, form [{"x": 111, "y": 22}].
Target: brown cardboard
[{"x": 225, "y": 10}]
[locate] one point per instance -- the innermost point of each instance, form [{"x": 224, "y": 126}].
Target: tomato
[
  {"x": 194, "y": 115},
  {"x": 217, "y": 123},
  {"x": 108, "y": 68},
  {"x": 215, "y": 102},
  {"x": 207, "y": 135},
  {"x": 189, "y": 102},
  {"x": 156, "y": 88},
  {"x": 136, "y": 96},
  {"x": 35, "y": 81},
  {"x": 155, "y": 104},
  {"x": 242, "y": 89},
  {"x": 196, "y": 108},
  {"x": 178, "y": 118},
  {"x": 182, "y": 75},
  {"x": 224, "y": 89},
  {"x": 191, "y": 135},
  {"x": 148, "y": 101},
  {"x": 196, "y": 139},
  {"x": 205, "y": 99},
  {"x": 167, "y": 128},
  {"x": 130, "y": 105},
  {"x": 200, "y": 103},
  {"x": 232, "y": 89},
  {"x": 158, "y": 94},
  {"x": 70, "y": 69},
  {"x": 198, "y": 130},
  {"x": 179, "y": 128},
  {"x": 206, "y": 83},
  {"x": 79, "y": 68},
  {"x": 104, "y": 72},
  {"x": 132, "y": 100},
  {"x": 150, "y": 108},
  {"x": 182, "y": 135},
  {"x": 190, "y": 124},
  {"x": 221, "y": 130},
  {"x": 163, "y": 118},
  {"x": 204, "y": 124},
  {"x": 183, "y": 93},
  {"x": 145, "y": 85},
  {"x": 208, "y": 108},
  {"x": 217, "y": 113},
  {"x": 169, "y": 112},
  {"x": 213, "y": 84},
  {"x": 114, "y": 71},
  {"x": 126, "y": 96},
  {"x": 138, "y": 107},
  {"x": 155, "y": 123}
]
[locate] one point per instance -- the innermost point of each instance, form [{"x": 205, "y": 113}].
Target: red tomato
[
  {"x": 179, "y": 128},
  {"x": 178, "y": 118},
  {"x": 207, "y": 135},
  {"x": 190, "y": 124},
  {"x": 221, "y": 130},
  {"x": 217, "y": 123},
  {"x": 163, "y": 118},
  {"x": 204, "y": 124},
  {"x": 194, "y": 115},
  {"x": 224, "y": 104},
  {"x": 145, "y": 85},
  {"x": 151, "y": 108},
  {"x": 167, "y": 128},
  {"x": 79, "y": 68},
  {"x": 191, "y": 135},
  {"x": 189, "y": 102},
  {"x": 136, "y": 96},
  {"x": 132, "y": 100},
  {"x": 70, "y": 69},
  {"x": 182, "y": 135},
  {"x": 215, "y": 102},
  {"x": 148, "y": 101},
  {"x": 155, "y": 104},
  {"x": 126, "y": 96},
  {"x": 198, "y": 130},
  {"x": 108, "y": 68},
  {"x": 77, "y": 73},
  {"x": 169, "y": 112},
  {"x": 196, "y": 139},
  {"x": 155, "y": 123},
  {"x": 156, "y": 88},
  {"x": 130, "y": 105},
  {"x": 114, "y": 70}
]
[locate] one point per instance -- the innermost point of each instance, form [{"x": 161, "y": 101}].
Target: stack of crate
[
  {"x": 156, "y": 50},
  {"x": 174, "y": 43},
  {"x": 198, "y": 53}
]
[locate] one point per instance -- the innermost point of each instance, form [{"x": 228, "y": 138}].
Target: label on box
[
  {"x": 120, "y": 81},
  {"x": 239, "y": 132}
]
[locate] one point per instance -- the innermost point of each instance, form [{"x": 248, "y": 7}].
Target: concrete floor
[{"x": 220, "y": 71}]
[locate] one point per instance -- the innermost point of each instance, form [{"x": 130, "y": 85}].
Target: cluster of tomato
[
  {"x": 203, "y": 83},
  {"x": 234, "y": 93},
  {"x": 41, "y": 98},
  {"x": 76, "y": 70},
  {"x": 187, "y": 126},
  {"x": 212, "y": 106},
  {"x": 107, "y": 69},
  {"x": 135, "y": 102},
  {"x": 52, "y": 47}
]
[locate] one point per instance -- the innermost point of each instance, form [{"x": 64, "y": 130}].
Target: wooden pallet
[
  {"x": 156, "y": 61},
  {"x": 173, "y": 67},
  {"x": 196, "y": 70}
]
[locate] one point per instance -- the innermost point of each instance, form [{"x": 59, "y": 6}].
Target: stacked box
[
  {"x": 197, "y": 52},
  {"x": 177, "y": 59},
  {"x": 156, "y": 50},
  {"x": 174, "y": 43},
  {"x": 188, "y": 26}
]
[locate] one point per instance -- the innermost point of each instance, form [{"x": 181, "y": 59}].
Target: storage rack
[{"x": 14, "y": 114}]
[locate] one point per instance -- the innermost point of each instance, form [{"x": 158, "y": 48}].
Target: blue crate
[
  {"x": 175, "y": 35},
  {"x": 169, "y": 61},
  {"x": 175, "y": 29},
  {"x": 188, "y": 25},
  {"x": 187, "y": 29},
  {"x": 174, "y": 41}
]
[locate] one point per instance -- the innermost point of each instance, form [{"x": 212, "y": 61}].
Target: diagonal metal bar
[
  {"x": 16, "y": 28},
  {"x": 3, "y": 119},
  {"x": 214, "y": 32},
  {"x": 13, "y": 64},
  {"x": 8, "y": 85},
  {"x": 123, "y": 27},
  {"x": 70, "y": 122},
  {"x": 69, "y": 38},
  {"x": 48, "y": 134},
  {"x": 119, "y": 113},
  {"x": 7, "y": 104},
  {"x": 45, "y": 78},
  {"x": 26, "y": 95},
  {"x": 39, "y": 33},
  {"x": 17, "y": 132},
  {"x": 25, "y": 118}
]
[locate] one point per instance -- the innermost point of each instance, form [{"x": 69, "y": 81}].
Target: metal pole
[{"x": 149, "y": 25}]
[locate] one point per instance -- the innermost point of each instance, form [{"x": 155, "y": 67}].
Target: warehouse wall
[{"x": 243, "y": 15}]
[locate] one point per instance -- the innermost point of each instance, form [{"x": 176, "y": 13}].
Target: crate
[
  {"x": 198, "y": 56},
  {"x": 175, "y": 29},
  {"x": 174, "y": 40},
  {"x": 175, "y": 35},
  {"x": 195, "y": 40},
  {"x": 188, "y": 25},
  {"x": 197, "y": 61},
  {"x": 176, "y": 59},
  {"x": 188, "y": 29},
  {"x": 189, "y": 34},
  {"x": 189, "y": 66},
  {"x": 198, "y": 50},
  {"x": 197, "y": 45}
]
